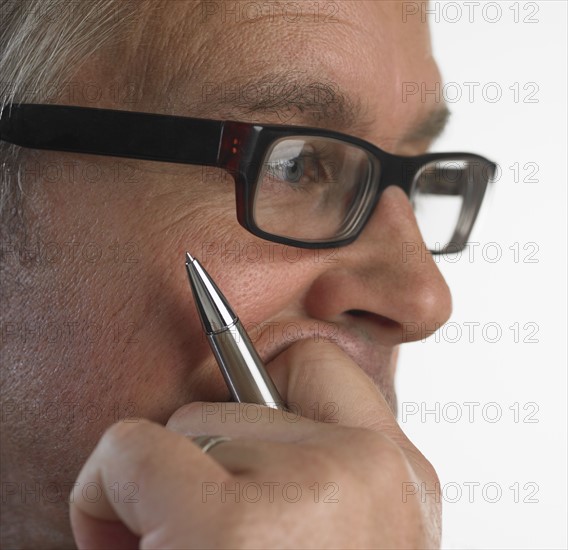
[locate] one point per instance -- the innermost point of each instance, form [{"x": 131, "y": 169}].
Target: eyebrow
[
  {"x": 289, "y": 97},
  {"x": 292, "y": 96},
  {"x": 431, "y": 127}
]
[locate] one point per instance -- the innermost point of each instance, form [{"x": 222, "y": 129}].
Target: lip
[{"x": 361, "y": 341}]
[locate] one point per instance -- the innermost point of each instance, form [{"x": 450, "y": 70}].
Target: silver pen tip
[{"x": 214, "y": 310}]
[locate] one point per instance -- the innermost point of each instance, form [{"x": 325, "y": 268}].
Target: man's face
[{"x": 107, "y": 328}]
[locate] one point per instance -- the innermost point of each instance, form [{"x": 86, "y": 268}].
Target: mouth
[{"x": 361, "y": 344}]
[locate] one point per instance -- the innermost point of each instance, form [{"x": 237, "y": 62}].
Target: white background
[{"x": 523, "y": 381}]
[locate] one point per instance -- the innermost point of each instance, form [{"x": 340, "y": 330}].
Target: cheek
[
  {"x": 106, "y": 320},
  {"x": 105, "y": 328},
  {"x": 124, "y": 338}
]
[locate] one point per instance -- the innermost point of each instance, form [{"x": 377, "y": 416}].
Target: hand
[{"x": 342, "y": 476}]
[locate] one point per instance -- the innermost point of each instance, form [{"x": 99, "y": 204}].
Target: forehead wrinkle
[
  {"x": 192, "y": 51},
  {"x": 263, "y": 89},
  {"x": 179, "y": 54},
  {"x": 158, "y": 49}
]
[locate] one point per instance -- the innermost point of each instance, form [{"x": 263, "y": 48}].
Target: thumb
[
  {"x": 320, "y": 381},
  {"x": 325, "y": 384}
]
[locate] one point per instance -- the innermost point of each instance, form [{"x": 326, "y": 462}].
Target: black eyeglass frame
[{"x": 237, "y": 147}]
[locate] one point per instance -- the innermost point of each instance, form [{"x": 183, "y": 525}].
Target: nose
[{"x": 386, "y": 277}]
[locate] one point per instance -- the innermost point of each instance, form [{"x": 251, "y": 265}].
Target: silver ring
[{"x": 207, "y": 442}]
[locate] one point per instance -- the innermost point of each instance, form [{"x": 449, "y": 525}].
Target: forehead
[{"x": 237, "y": 58}]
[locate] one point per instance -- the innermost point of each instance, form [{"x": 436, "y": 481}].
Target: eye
[
  {"x": 309, "y": 165},
  {"x": 288, "y": 170}
]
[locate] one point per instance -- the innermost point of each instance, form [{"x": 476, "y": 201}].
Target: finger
[
  {"x": 264, "y": 440},
  {"x": 269, "y": 446},
  {"x": 261, "y": 435},
  {"x": 243, "y": 421},
  {"x": 92, "y": 533},
  {"x": 131, "y": 468}
]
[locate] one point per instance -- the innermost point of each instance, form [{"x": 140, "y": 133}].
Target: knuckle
[
  {"x": 129, "y": 440},
  {"x": 428, "y": 473},
  {"x": 379, "y": 444},
  {"x": 122, "y": 433},
  {"x": 383, "y": 457}
]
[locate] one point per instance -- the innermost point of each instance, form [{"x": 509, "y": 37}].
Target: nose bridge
[{"x": 398, "y": 171}]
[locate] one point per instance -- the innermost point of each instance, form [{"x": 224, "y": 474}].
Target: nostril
[
  {"x": 357, "y": 312},
  {"x": 385, "y": 322}
]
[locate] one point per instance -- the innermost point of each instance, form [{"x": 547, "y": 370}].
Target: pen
[{"x": 240, "y": 364}]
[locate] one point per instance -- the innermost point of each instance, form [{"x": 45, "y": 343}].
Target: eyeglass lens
[
  {"x": 314, "y": 188},
  {"x": 444, "y": 195}
]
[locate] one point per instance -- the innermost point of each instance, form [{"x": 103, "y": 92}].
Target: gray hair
[{"x": 43, "y": 43}]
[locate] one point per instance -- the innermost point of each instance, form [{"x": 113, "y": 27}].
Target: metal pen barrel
[
  {"x": 240, "y": 364},
  {"x": 242, "y": 368}
]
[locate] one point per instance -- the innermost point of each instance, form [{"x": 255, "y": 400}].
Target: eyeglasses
[{"x": 305, "y": 187}]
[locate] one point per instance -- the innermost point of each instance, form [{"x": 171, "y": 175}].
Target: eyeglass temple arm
[{"x": 113, "y": 133}]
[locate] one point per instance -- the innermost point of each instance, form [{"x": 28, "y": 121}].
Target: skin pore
[{"x": 130, "y": 342}]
